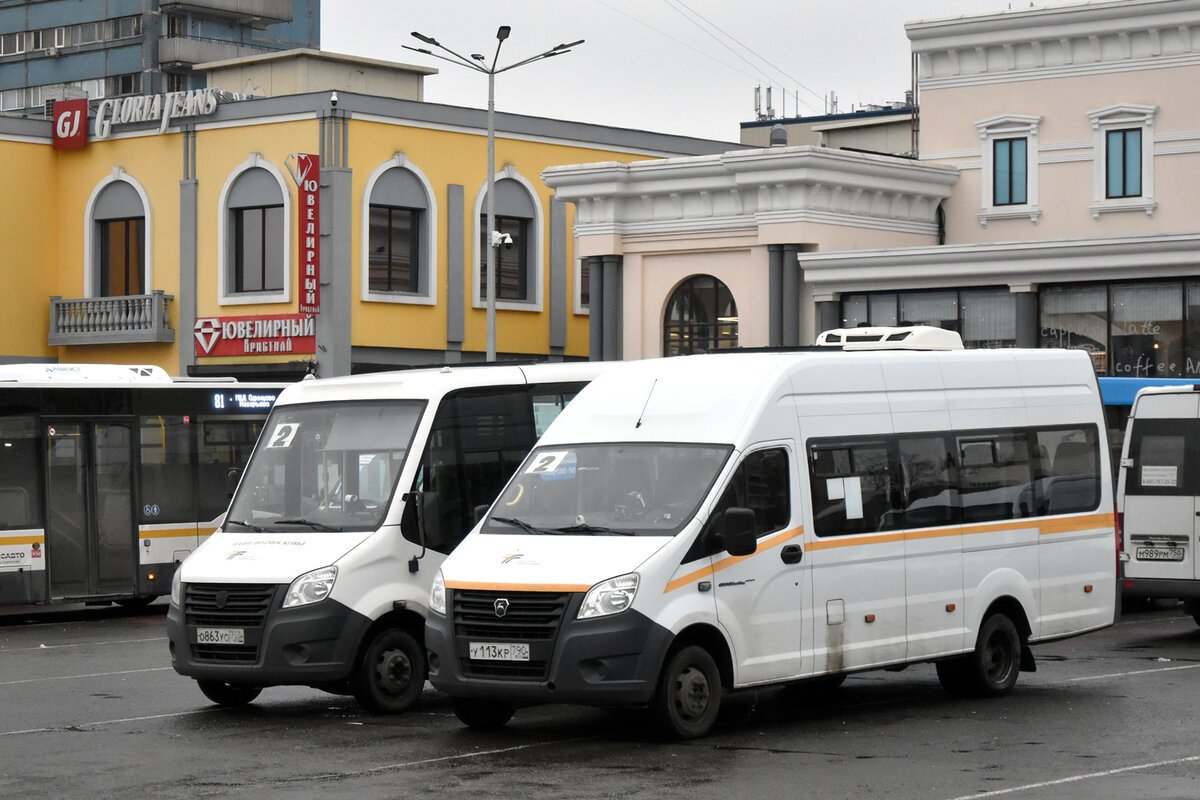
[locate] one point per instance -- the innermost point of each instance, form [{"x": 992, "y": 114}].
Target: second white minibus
[
  {"x": 355, "y": 492},
  {"x": 707, "y": 523}
]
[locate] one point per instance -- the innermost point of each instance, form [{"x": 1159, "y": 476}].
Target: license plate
[
  {"x": 220, "y": 636},
  {"x": 499, "y": 651},
  {"x": 1159, "y": 554}
]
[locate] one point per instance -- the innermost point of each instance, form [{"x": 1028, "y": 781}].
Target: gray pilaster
[
  {"x": 456, "y": 271},
  {"x": 829, "y": 315},
  {"x": 612, "y": 308},
  {"x": 189, "y": 221},
  {"x": 333, "y": 323},
  {"x": 775, "y": 294},
  {"x": 791, "y": 296},
  {"x": 595, "y": 308},
  {"x": 1027, "y": 320},
  {"x": 558, "y": 303}
]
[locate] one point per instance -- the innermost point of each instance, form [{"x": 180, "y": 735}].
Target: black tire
[
  {"x": 391, "y": 675},
  {"x": 688, "y": 699},
  {"x": 481, "y": 714},
  {"x": 1196, "y": 618},
  {"x": 992, "y": 668},
  {"x": 136, "y": 602},
  {"x": 228, "y": 694}
]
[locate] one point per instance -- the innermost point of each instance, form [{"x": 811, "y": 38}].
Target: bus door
[{"x": 90, "y": 536}]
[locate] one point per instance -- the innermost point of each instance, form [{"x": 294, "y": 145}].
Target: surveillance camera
[
  {"x": 333, "y": 99},
  {"x": 507, "y": 241}
]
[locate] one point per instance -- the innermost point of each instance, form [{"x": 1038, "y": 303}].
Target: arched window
[
  {"x": 518, "y": 259},
  {"x": 255, "y": 249},
  {"x": 399, "y": 225},
  {"x": 120, "y": 220},
  {"x": 701, "y": 317}
]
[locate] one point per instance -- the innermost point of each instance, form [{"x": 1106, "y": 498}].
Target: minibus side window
[
  {"x": 1164, "y": 454},
  {"x": 761, "y": 484},
  {"x": 852, "y": 487},
  {"x": 479, "y": 438},
  {"x": 929, "y": 494},
  {"x": 995, "y": 479},
  {"x": 1072, "y": 475},
  {"x": 548, "y": 402}
]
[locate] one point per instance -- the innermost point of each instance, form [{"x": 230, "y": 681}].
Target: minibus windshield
[
  {"x": 608, "y": 489},
  {"x": 325, "y": 467}
]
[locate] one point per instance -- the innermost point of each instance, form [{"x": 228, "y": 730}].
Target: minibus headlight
[
  {"x": 176, "y": 588},
  {"x": 610, "y": 597},
  {"x": 437, "y": 594},
  {"x": 312, "y": 587}
]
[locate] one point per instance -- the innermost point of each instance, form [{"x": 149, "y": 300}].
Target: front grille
[
  {"x": 531, "y": 617},
  {"x": 228, "y": 605}
]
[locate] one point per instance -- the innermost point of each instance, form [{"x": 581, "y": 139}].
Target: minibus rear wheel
[
  {"x": 689, "y": 694},
  {"x": 991, "y": 669},
  {"x": 391, "y": 675},
  {"x": 224, "y": 693}
]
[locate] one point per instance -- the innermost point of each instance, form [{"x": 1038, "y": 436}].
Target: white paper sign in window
[
  {"x": 1160, "y": 476},
  {"x": 850, "y": 490}
]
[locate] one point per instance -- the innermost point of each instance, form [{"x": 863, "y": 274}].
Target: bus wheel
[
  {"x": 689, "y": 694},
  {"x": 483, "y": 715},
  {"x": 224, "y": 693},
  {"x": 991, "y": 669},
  {"x": 391, "y": 674}
]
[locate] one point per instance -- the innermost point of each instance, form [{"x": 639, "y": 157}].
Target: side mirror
[
  {"x": 232, "y": 476},
  {"x": 480, "y": 513},
  {"x": 735, "y": 532},
  {"x": 422, "y": 520}
]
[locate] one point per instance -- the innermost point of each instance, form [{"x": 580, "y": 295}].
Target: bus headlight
[
  {"x": 610, "y": 597},
  {"x": 437, "y": 594},
  {"x": 312, "y": 587},
  {"x": 176, "y": 589}
]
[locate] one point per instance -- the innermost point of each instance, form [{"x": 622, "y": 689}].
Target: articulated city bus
[{"x": 111, "y": 474}]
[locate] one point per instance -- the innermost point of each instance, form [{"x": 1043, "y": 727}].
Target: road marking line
[
  {"x": 1076, "y": 778},
  {"x": 457, "y": 756},
  {"x": 80, "y": 644},
  {"x": 86, "y": 725},
  {"x": 92, "y": 675},
  {"x": 1134, "y": 672}
]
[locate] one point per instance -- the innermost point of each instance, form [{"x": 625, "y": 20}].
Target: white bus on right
[
  {"x": 1158, "y": 496},
  {"x": 703, "y": 524}
]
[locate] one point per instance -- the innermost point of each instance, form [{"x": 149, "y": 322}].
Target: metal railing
[{"x": 111, "y": 320}]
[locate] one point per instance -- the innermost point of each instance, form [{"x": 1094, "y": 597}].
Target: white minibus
[
  {"x": 707, "y": 523},
  {"x": 1158, "y": 496},
  {"x": 357, "y": 489}
]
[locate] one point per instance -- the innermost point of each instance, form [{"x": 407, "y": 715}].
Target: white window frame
[
  {"x": 428, "y": 276},
  {"x": 581, "y": 309},
  {"x": 536, "y": 234},
  {"x": 91, "y": 258},
  {"x": 1120, "y": 116},
  {"x": 225, "y": 295},
  {"x": 1008, "y": 126}
]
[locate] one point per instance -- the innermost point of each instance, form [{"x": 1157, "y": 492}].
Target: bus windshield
[
  {"x": 608, "y": 489},
  {"x": 325, "y": 467}
]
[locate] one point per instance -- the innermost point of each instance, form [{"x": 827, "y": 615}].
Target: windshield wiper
[
  {"x": 518, "y": 523},
  {"x": 583, "y": 527},
  {"x": 245, "y": 524},
  {"x": 316, "y": 526}
]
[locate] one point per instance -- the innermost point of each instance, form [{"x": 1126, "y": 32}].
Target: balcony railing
[
  {"x": 111, "y": 320},
  {"x": 259, "y": 13},
  {"x": 187, "y": 50}
]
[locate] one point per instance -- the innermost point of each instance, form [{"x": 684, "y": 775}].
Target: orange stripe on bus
[
  {"x": 168, "y": 533},
  {"x": 724, "y": 563},
  {"x": 518, "y": 587},
  {"x": 29, "y": 538}
]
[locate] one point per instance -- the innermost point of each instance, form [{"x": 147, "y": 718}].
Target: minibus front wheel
[
  {"x": 481, "y": 713},
  {"x": 224, "y": 693},
  {"x": 689, "y": 694},
  {"x": 391, "y": 674},
  {"x": 991, "y": 669}
]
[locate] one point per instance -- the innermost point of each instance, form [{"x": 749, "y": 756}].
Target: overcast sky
[{"x": 675, "y": 66}]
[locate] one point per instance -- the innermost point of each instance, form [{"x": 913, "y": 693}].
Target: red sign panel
[
  {"x": 284, "y": 334},
  {"x": 70, "y": 123},
  {"x": 308, "y": 179}
]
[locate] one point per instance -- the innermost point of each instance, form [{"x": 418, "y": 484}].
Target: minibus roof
[
  {"x": 434, "y": 382},
  {"x": 716, "y": 398}
]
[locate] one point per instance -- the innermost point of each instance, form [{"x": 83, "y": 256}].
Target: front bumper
[
  {"x": 306, "y": 646},
  {"x": 609, "y": 661}
]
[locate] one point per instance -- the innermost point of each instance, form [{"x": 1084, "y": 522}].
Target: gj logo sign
[{"x": 70, "y": 124}]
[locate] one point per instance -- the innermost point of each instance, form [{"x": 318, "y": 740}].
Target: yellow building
[{"x": 193, "y": 231}]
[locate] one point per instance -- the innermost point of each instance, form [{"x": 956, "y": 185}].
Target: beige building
[{"x": 1051, "y": 205}]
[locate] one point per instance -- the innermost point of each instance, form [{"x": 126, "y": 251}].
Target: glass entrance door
[{"x": 90, "y": 535}]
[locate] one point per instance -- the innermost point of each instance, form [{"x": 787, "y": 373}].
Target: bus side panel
[{"x": 1078, "y": 559}]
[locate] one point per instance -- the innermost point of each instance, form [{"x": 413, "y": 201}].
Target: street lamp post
[{"x": 478, "y": 63}]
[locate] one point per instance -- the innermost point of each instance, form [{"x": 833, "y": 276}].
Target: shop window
[
  {"x": 701, "y": 317},
  {"x": 1123, "y": 160},
  {"x": 118, "y": 240},
  {"x": 518, "y": 219},
  {"x": 255, "y": 254},
  {"x": 1146, "y": 330},
  {"x": 399, "y": 229},
  {"x": 983, "y": 317},
  {"x": 1009, "y": 167}
]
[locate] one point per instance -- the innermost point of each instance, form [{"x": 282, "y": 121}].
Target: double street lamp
[{"x": 478, "y": 63}]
